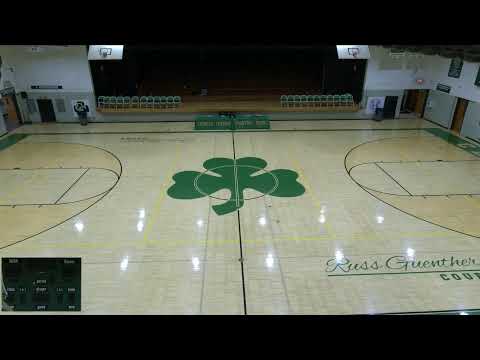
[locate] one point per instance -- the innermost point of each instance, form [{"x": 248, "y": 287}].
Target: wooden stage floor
[{"x": 237, "y": 103}]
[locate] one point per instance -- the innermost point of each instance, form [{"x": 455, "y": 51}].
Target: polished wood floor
[{"x": 387, "y": 222}]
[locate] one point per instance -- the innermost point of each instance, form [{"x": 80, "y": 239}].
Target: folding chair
[
  {"x": 119, "y": 102},
  {"x": 297, "y": 100},
  {"x": 143, "y": 102},
  {"x": 310, "y": 100},
  {"x": 163, "y": 102},
  {"x": 329, "y": 100},
  {"x": 170, "y": 102},
  {"x": 126, "y": 102},
  {"x": 177, "y": 100},
  {"x": 290, "y": 100},
  {"x": 101, "y": 101},
  {"x": 350, "y": 101},
  {"x": 150, "y": 101},
  {"x": 336, "y": 100},
  {"x": 303, "y": 100},
  {"x": 134, "y": 102},
  {"x": 323, "y": 100},
  {"x": 156, "y": 102}
]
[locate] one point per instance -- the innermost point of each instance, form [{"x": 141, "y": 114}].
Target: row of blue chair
[
  {"x": 142, "y": 102},
  {"x": 316, "y": 100}
]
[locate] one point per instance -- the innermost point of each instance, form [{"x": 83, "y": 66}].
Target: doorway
[
  {"x": 45, "y": 108},
  {"x": 12, "y": 120},
  {"x": 459, "y": 115},
  {"x": 390, "y": 107},
  {"x": 414, "y": 102}
]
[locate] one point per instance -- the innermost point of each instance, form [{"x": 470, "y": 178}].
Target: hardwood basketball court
[{"x": 310, "y": 217}]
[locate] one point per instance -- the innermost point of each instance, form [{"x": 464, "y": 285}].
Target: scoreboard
[{"x": 41, "y": 284}]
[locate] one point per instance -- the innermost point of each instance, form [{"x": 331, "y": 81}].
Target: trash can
[
  {"x": 378, "y": 116},
  {"x": 83, "y": 118},
  {"x": 81, "y": 108}
]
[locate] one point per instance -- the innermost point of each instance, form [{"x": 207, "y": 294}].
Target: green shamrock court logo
[{"x": 235, "y": 175}]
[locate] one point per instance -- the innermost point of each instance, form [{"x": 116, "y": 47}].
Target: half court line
[{"x": 239, "y": 229}]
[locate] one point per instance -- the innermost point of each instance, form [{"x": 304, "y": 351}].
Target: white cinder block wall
[
  {"x": 390, "y": 77},
  {"x": 6, "y": 78},
  {"x": 463, "y": 87},
  {"x": 3, "y": 130},
  {"x": 386, "y": 76},
  {"x": 52, "y": 65},
  {"x": 385, "y": 73},
  {"x": 66, "y": 66}
]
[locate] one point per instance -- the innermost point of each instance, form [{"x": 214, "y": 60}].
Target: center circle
[{"x": 275, "y": 181}]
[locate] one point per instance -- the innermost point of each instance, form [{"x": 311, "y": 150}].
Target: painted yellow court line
[
  {"x": 421, "y": 235},
  {"x": 153, "y": 219}
]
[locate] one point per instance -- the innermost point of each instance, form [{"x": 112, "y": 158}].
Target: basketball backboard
[
  {"x": 353, "y": 52},
  {"x": 105, "y": 52}
]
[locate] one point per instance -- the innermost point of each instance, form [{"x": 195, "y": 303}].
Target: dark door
[
  {"x": 13, "y": 118},
  {"x": 410, "y": 102},
  {"x": 460, "y": 110},
  {"x": 420, "y": 101},
  {"x": 47, "y": 113},
  {"x": 389, "y": 107}
]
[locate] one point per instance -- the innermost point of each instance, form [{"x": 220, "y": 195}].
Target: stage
[{"x": 233, "y": 103}]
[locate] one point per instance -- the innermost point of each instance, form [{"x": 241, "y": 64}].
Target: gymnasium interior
[{"x": 282, "y": 179}]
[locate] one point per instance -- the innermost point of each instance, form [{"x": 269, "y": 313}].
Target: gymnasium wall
[
  {"x": 471, "y": 122},
  {"x": 463, "y": 87},
  {"x": 385, "y": 73},
  {"x": 440, "y": 108},
  {"x": 52, "y": 65},
  {"x": 6, "y": 79},
  {"x": 66, "y": 66},
  {"x": 386, "y": 76},
  {"x": 3, "y": 129}
]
